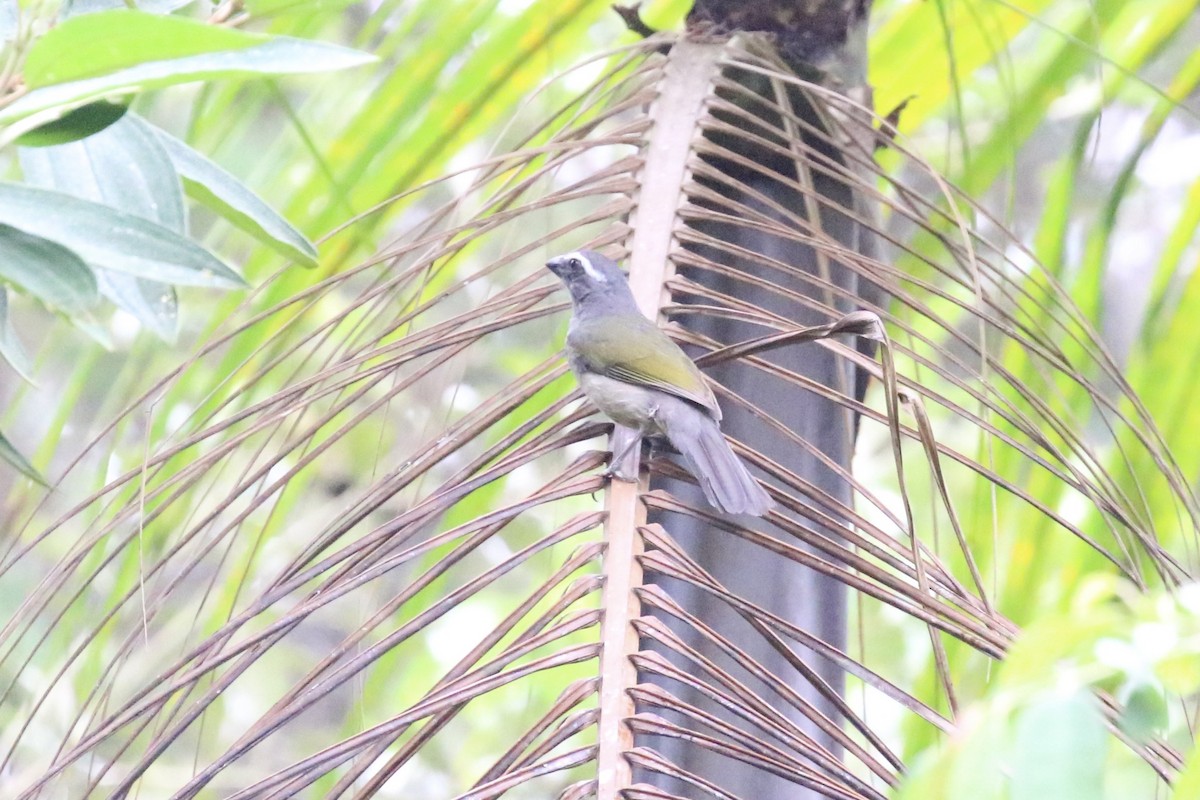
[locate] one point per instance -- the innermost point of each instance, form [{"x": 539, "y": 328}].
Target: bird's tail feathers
[{"x": 722, "y": 476}]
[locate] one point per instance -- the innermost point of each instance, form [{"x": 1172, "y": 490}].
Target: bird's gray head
[{"x": 595, "y": 282}]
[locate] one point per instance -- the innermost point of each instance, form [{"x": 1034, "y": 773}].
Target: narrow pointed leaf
[
  {"x": 113, "y": 239},
  {"x": 13, "y": 457},
  {"x": 229, "y": 197},
  {"x": 10, "y": 346},
  {"x": 108, "y": 41},
  {"x": 48, "y": 271},
  {"x": 76, "y": 124},
  {"x": 94, "y": 55}
]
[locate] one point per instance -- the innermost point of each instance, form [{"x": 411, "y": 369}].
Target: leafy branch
[{"x": 101, "y": 212}]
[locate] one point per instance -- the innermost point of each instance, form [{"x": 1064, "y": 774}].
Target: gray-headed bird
[{"x": 641, "y": 379}]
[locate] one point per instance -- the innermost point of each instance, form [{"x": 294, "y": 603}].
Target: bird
[{"x": 639, "y": 378}]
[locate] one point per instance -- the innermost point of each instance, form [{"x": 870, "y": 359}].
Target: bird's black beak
[{"x": 555, "y": 265}]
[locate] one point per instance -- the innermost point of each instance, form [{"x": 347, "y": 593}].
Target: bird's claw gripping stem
[{"x": 626, "y": 456}]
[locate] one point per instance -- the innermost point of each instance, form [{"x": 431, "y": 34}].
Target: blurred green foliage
[{"x": 1009, "y": 102}]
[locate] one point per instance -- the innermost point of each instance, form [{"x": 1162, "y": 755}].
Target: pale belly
[{"x": 623, "y": 403}]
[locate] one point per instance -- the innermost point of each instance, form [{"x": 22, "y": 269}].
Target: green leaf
[
  {"x": 969, "y": 764},
  {"x": 127, "y": 168},
  {"x": 124, "y": 167},
  {"x": 108, "y": 41},
  {"x": 1187, "y": 785},
  {"x": 1144, "y": 713},
  {"x": 10, "y": 346},
  {"x": 113, "y": 239},
  {"x": 48, "y": 271},
  {"x": 95, "y": 55},
  {"x": 1059, "y": 749},
  {"x": 154, "y": 304},
  {"x": 13, "y": 456},
  {"x": 78, "y": 123},
  {"x": 1179, "y": 671},
  {"x": 229, "y": 197}
]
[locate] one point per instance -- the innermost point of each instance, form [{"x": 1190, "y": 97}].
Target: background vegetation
[{"x": 197, "y": 466}]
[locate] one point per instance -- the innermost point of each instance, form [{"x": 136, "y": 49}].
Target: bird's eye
[{"x": 574, "y": 263}]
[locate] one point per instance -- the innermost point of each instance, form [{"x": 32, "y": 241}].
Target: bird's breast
[{"x": 623, "y": 403}]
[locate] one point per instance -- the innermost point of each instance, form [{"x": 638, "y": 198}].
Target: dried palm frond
[{"x": 377, "y": 543}]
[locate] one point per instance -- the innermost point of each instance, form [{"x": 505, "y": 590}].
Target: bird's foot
[
  {"x": 619, "y": 474},
  {"x": 624, "y": 464}
]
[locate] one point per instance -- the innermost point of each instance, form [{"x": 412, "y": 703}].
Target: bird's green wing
[{"x": 637, "y": 352}]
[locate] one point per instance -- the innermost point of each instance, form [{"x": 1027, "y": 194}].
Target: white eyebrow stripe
[{"x": 592, "y": 272}]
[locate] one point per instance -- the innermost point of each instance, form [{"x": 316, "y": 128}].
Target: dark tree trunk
[
  {"x": 824, "y": 43},
  {"x": 806, "y": 33}
]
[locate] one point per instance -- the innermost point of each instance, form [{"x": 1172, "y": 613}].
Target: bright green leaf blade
[
  {"x": 10, "y": 346},
  {"x": 48, "y": 271},
  {"x": 109, "y": 41},
  {"x": 76, "y": 124},
  {"x": 111, "y": 51},
  {"x": 229, "y": 197},
  {"x": 1188, "y": 784},
  {"x": 113, "y": 239},
  {"x": 13, "y": 457},
  {"x": 1059, "y": 749},
  {"x": 1169, "y": 273}
]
